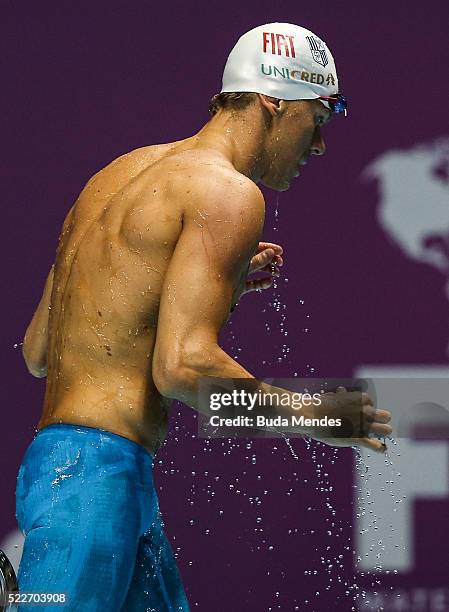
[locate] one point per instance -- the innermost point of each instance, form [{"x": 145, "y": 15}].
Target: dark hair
[{"x": 231, "y": 100}]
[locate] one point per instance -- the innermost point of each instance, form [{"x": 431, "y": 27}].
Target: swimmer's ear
[{"x": 271, "y": 104}]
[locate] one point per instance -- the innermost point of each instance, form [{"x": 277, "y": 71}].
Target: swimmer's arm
[
  {"x": 207, "y": 272},
  {"x": 34, "y": 348},
  {"x": 35, "y": 342},
  {"x": 222, "y": 224},
  {"x": 221, "y": 228}
]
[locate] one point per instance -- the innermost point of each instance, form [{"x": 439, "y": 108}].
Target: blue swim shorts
[{"x": 87, "y": 505}]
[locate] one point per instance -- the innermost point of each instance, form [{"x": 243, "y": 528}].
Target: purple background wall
[{"x": 83, "y": 84}]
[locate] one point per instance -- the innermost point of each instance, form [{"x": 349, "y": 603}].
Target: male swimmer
[{"x": 151, "y": 259}]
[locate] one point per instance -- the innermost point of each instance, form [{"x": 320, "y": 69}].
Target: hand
[
  {"x": 268, "y": 258},
  {"x": 359, "y": 419}
]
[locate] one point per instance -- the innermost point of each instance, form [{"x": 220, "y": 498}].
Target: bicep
[{"x": 211, "y": 255}]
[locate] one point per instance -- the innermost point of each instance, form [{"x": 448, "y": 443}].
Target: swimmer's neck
[{"x": 240, "y": 138}]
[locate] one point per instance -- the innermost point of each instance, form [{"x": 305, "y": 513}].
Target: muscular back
[
  {"x": 113, "y": 254},
  {"x": 114, "y": 249}
]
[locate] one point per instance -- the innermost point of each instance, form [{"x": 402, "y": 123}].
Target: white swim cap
[{"x": 281, "y": 60}]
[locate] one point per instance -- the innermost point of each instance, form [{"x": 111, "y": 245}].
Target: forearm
[{"x": 185, "y": 386}]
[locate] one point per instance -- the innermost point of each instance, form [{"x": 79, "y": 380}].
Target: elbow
[
  {"x": 171, "y": 382},
  {"x": 166, "y": 374},
  {"x": 178, "y": 378},
  {"x": 39, "y": 373},
  {"x": 38, "y": 369}
]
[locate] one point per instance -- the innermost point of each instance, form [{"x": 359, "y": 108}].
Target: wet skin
[
  {"x": 151, "y": 257},
  {"x": 114, "y": 249}
]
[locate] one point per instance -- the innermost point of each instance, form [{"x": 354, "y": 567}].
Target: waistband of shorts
[{"x": 72, "y": 428}]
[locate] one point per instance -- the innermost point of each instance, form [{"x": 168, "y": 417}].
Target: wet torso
[{"x": 114, "y": 249}]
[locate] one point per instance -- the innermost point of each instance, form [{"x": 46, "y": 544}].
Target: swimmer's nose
[{"x": 318, "y": 146}]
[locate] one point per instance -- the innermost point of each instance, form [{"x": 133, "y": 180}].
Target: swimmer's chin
[{"x": 284, "y": 186}]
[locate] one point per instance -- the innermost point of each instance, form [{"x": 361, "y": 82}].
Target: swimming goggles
[{"x": 337, "y": 103}]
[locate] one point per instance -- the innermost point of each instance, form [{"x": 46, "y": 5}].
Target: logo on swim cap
[
  {"x": 318, "y": 50},
  {"x": 281, "y": 60},
  {"x": 277, "y": 43}
]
